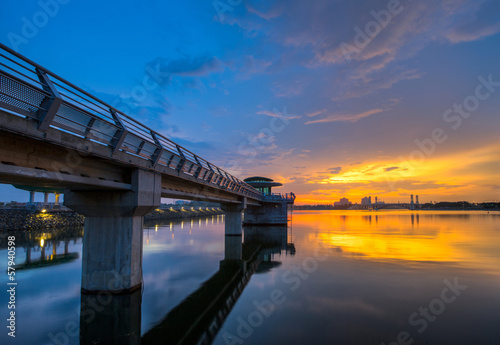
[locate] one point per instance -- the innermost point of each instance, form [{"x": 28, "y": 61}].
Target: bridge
[{"x": 111, "y": 168}]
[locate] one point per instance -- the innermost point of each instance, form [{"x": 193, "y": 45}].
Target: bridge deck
[{"x": 37, "y": 105}]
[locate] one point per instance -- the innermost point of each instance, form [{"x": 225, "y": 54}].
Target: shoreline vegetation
[
  {"x": 440, "y": 206},
  {"x": 25, "y": 219}
]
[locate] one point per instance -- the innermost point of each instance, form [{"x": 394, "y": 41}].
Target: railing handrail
[
  {"x": 279, "y": 196},
  {"x": 137, "y": 128}
]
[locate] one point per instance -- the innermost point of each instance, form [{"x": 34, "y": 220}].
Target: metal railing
[
  {"x": 28, "y": 89},
  {"x": 288, "y": 197}
]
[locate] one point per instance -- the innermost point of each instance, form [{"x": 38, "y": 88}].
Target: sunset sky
[{"x": 332, "y": 98}]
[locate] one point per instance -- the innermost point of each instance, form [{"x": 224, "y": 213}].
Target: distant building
[
  {"x": 343, "y": 202},
  {"x": 366, "y": 200}
]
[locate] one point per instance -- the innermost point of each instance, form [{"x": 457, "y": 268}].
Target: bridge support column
[
  {"x": 112, "y": 241},
  {"x": 233, "y": 230},
  {"x": 32, "y": 197},
  {"x": 45, "y": 198},
  {"x": 269, "y": 213}
]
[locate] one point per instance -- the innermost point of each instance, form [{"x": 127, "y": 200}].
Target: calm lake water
[{"x": 332, "y": 277}]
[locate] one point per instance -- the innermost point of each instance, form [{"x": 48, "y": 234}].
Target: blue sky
[{"x": 328, "y": 97}]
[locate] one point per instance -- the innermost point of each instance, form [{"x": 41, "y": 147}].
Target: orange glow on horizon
[{"x": 438, "y": 178}]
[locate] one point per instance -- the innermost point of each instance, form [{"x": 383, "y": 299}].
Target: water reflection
[
  {"x": 446, "y": 236},
  {"x": 198, "y": 318},
  {"x": 44, "y": 248},
  {"x": 111, "y": 319},
  {"x": 116, "y": 319},
  {"x": 381, "y": 267},
  {"x": 273, "y": 241}
]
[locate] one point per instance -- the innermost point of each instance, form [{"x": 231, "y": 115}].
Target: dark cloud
[
  {"x": 335, "y": 170},
  {"x": 480, "y": 20},
  {"x": 187, "y": 66}
]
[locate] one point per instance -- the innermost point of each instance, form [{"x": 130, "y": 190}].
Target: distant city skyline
[
  {"x": 22, "y": 196},
  {"x": 367, "y": 200},
  {"x": 330, "y": 98}
]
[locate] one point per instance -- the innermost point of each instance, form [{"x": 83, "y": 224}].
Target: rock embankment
[{"x": 29, "y": 220}]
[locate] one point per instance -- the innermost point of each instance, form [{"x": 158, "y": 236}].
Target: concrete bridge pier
[
  {"x": 32, "y": 197},
  {"x": 112, "y": 241},
  {"x": 233, "y": 230},
  {"x": 269, "y": 213}
]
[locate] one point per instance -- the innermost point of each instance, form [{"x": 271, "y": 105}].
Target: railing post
[
  {"x": 200, "y": 167},
  {"x": 219, "y": 183},
  {"x": 116, "y": 142},
  {"x": 50, "y": 105},
  {"x": 209, "y": 180},
  {"x": 159, "y": 150},
  {"x": 90, "y": 124},
  {"x": 182, "y": 162}
]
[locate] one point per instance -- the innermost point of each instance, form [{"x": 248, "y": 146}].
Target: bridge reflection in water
[
  {"x": 116, "y": 319},
  {"x": 41, "y": 248}
]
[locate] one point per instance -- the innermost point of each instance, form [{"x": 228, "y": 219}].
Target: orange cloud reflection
[{"x": 418, "y": 237}]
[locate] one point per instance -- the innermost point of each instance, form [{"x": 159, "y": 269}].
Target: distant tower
[
  {"x": 416, "y": 200},
  {"x": 376, "y": 200},
  {"x": 412, "y": 205}
]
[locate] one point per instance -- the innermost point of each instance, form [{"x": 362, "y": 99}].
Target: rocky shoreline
[{"x": 15, "y": 220}]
